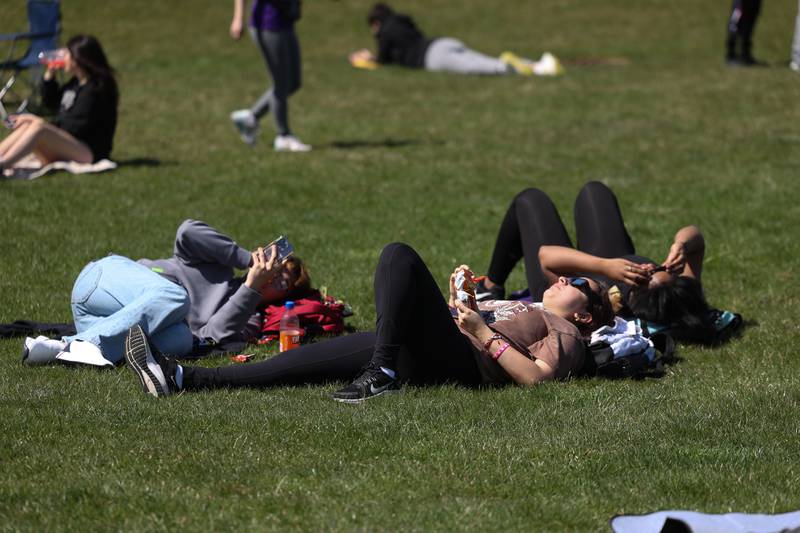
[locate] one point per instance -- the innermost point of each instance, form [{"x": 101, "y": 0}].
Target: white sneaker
[
  {"x": 246, "y": 123},
  {"x": 548, "y": 65},
  {"x": 41, "y": 350},
  {"x": 85, "y": 353},
  {"x": 795, "y": 66},
  {"x": 290, "y": 143}
]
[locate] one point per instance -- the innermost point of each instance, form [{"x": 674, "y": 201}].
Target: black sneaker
[
  {"x": 372, "y": 382},
  {"x": 156, "y": 373},
  {"x": 482, "y": 293}
]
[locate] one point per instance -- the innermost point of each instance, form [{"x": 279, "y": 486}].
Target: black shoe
[
  {"x": 745, "y": 61},
  {"x": 482, "y": 293},
  {"x": 156, "y": 373},
  {"x": 372, "y": 382}
]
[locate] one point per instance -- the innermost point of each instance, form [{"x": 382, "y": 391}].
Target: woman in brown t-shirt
[{"x": 416, "y": 340}]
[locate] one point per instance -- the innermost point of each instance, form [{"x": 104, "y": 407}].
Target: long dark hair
[
  {"x": 601, "y": 310},
  {"x": 379, "y": 13},
  {"x": 680, "y": 306},
  {"x": 87, "y": 53}
]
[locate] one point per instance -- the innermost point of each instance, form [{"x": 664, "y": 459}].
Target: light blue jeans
[{"x": 113, "y": 294}]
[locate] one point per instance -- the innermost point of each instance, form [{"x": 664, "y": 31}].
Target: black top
[
  {"x": 87, "y": 112},
  {"x": 401, "y": 42}
]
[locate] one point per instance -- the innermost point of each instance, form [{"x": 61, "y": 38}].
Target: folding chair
[{"x": 44, "y": 27}]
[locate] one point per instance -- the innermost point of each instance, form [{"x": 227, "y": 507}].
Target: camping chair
[{"x": 44, "y": 26}]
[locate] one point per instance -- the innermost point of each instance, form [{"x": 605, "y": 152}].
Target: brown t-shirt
[{"x": 533, "y": 332}]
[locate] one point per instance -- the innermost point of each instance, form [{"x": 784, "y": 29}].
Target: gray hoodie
[{"x": 222, "y": 307}]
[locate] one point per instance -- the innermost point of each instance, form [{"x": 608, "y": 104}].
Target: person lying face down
[
  {"x": 417, "y": 339},
  {"x": 400, "y": 42},
  {"x": 191, "y": 299},
  {"x": 669, "y": 293}
]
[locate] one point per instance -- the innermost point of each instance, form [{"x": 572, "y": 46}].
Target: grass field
[{"x": 432, "y": 160}]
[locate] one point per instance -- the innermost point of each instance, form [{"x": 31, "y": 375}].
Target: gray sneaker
[{"x": 245, "y": 121}]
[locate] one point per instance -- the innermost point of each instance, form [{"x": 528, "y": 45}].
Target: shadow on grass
[
  {"x": 144, "y": 162},
  {"x": 384, "y": 143}
]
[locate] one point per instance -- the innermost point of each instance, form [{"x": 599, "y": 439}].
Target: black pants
[
  {"x": 532, "y": 221},
  {"x": 415, "y": 335},
  {"x": 741, "y": 24}
]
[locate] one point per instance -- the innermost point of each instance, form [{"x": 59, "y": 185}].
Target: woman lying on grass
[
  {"x": 416, "y": 340},
  {"x": 83, "y": 130},
  {"x": 667, "y": 295},
  {"x": 189, "y": 301},
  {"x": 400, "y": 42}
]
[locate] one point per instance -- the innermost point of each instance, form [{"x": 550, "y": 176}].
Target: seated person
[
  {"x": 193, "y": 298},
  {"x": 400, "y": 42},
  {"x": 668, "y": 295},
  {"x": 83, "y": 130},
  {"x": 416, "y": 339}
]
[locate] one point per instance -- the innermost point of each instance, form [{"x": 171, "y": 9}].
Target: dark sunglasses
[{"x": 582, "y": 284}]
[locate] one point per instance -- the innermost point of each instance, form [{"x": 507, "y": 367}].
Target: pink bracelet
[{"x": 499, "y": 352}]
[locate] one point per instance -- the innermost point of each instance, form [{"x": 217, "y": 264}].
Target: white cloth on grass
[
  {"x": 35, "y": 170},
  {"x": 625, "y": 338},
  {"x": 708, "y": 523}
]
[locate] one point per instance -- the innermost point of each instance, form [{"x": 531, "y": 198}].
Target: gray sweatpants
[
  {"x": 281, "y": 52},
  {"x": 796, "y": 42},
  {"x": 451, "y": 55}
]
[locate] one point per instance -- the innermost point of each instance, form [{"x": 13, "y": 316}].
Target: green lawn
[{"x": 432, "y": 160}]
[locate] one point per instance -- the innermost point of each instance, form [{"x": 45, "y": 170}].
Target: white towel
[
  {"x": 32, "y": 170},
  {"x": 624, "y": 338}
]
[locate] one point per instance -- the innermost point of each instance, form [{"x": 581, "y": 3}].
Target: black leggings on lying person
[
  {"x": 415, "y": 336},
  {"x": 533, "y": 221}
]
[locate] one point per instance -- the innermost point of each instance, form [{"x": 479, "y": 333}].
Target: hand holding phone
[{"x": 283, "y": 248}]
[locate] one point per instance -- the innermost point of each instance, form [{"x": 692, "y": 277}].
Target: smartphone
[{"x": 284, "y": 248}]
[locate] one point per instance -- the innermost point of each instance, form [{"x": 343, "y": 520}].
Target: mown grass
[{"x": 432, "y": 160}]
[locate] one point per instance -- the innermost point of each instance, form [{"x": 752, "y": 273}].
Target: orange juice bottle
[{"x": 290, "y": 331}]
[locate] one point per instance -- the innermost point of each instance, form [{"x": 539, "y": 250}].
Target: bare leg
[
  {"x": 49, "y": 143},
  {"x": 11, "y": 139}
]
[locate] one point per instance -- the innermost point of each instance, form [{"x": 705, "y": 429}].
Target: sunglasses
[{"x": 582, "y": 284}]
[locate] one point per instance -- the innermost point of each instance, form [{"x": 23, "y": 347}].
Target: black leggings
[
  {"x": 415, "y": 335},
  {"x": 741, "y": 24},
  {"x": 532, "y": 221}
]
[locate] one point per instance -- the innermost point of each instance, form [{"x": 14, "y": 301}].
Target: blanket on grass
[
  {"x": 690, "y": 521},
  {"x": 30, "y": 170}
]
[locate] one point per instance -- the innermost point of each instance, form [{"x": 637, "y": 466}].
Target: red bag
[{"x": 317, "y": 316}]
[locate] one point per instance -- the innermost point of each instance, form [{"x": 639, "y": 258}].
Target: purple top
[{"x": 266, "y": 16}]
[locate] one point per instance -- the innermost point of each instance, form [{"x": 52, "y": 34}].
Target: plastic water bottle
[
  {"x": 290, "y": 331},
  {"x": 53, "y": 59}
]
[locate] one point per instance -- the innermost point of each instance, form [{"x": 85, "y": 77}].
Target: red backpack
[{"x": 317, "y": 316}]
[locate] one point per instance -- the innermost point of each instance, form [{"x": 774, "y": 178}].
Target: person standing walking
[
  {"x": 795, "y": 62},
  {"x": 741, "y": 23},
  {"x": 272, "y": 28}
]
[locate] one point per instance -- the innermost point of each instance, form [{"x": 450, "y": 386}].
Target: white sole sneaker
[
  {"x": 246, "y": 124},
  {"x": 140, "y": 359},
  {"x": 41, "y": 350},
  {"x": 290, "y": 143},
  {"x": 548, "y": 65}
]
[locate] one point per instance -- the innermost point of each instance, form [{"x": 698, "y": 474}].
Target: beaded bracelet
[{"x": 499, "y": 352}]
